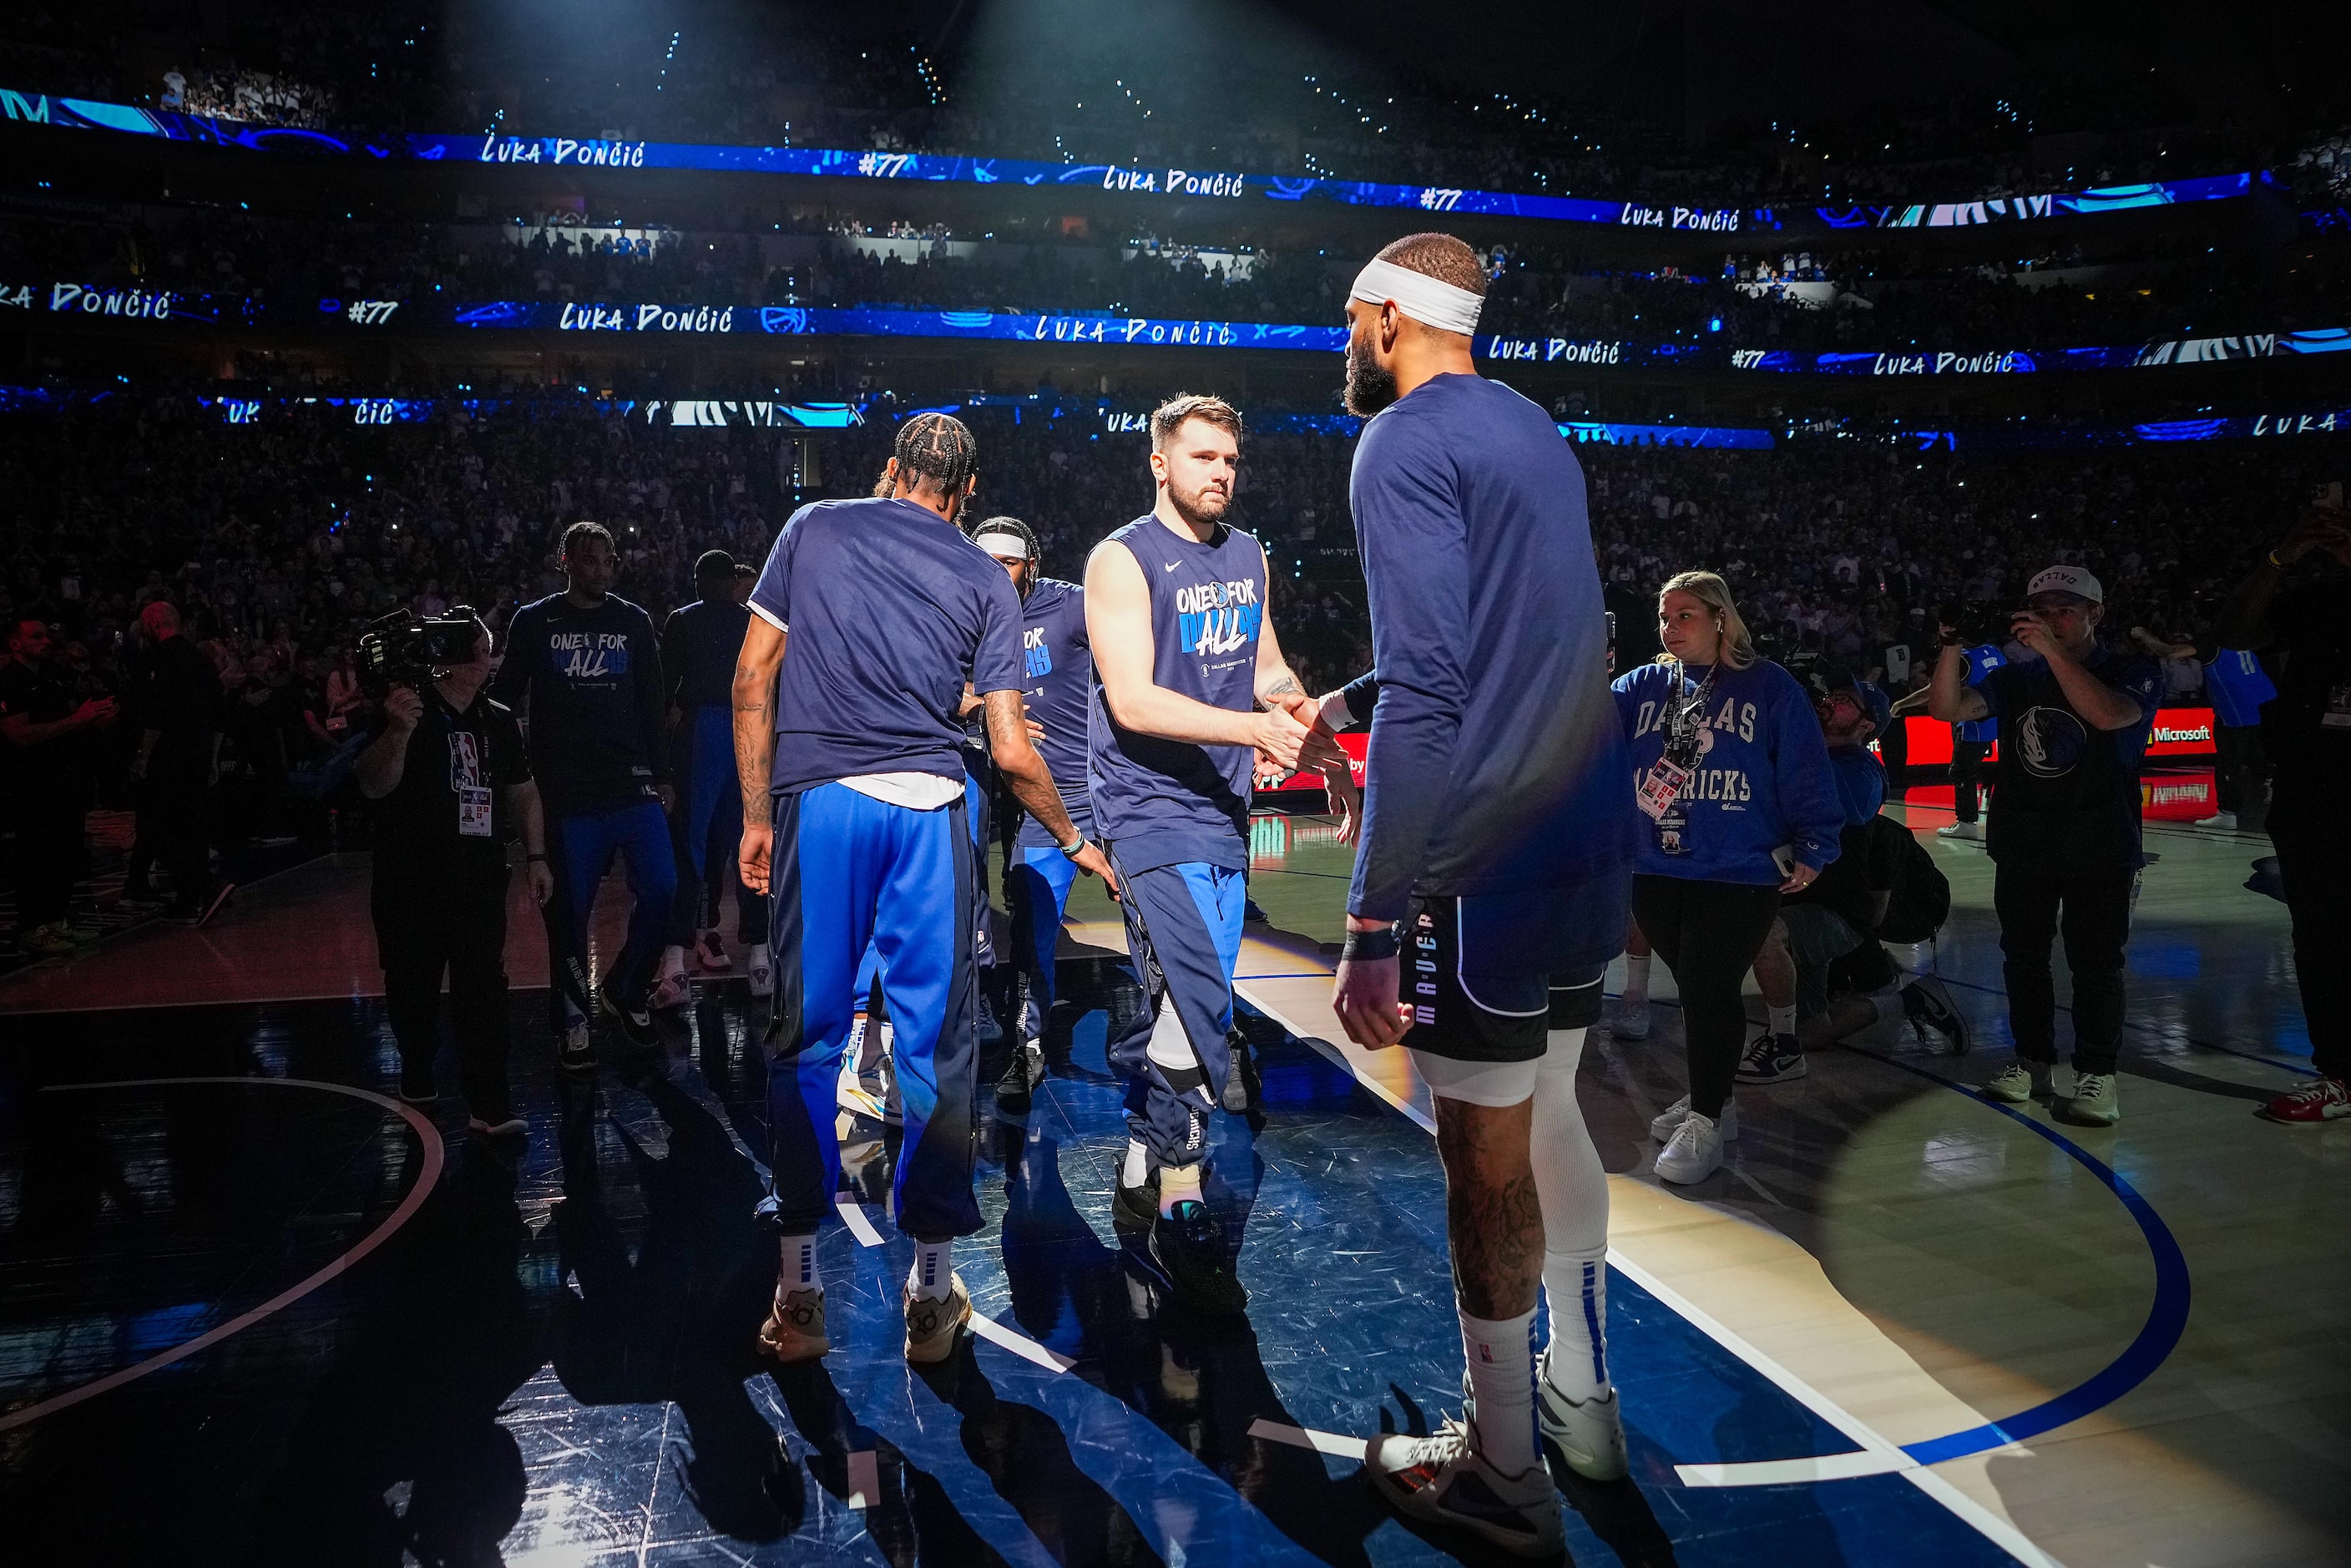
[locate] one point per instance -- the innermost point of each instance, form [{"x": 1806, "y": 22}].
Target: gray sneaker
[
  {"x": 1590, "y": 1433},
  {"x": 933, "y": 1325},
  {"x": 2097, "y": 1100},
  {"x": 2021, "y": 1083},
  {"x": 1444, "y": 1479},
  {"x": 1629, "y": 1019}
]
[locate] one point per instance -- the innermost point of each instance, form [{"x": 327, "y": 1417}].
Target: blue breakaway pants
[
  {"x": 1037, "y": 886},
  {"x": 975, "y": 800},
  {"x": 847, "y": 871},
  {"x": 1184, "y": 933},
  {"x": 708, "y": 828},
  {"x": 580, "y": 850}
]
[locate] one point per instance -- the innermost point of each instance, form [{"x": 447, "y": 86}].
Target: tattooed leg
[{"x": 1492, "y": 1216}]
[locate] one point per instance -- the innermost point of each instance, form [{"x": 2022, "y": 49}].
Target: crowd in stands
[
  {"x": 779, "y": 76},
  {"x": 279, "y": 540},
  {"x": 1834, "y": 300}
]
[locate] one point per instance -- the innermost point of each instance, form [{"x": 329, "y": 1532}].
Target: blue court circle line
[{"x": 2166, "y": 1315}]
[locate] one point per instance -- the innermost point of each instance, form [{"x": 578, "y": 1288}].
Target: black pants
[
  {"x": 2236, "y": 768},
  {"x": 1967, "y": 767},
  {"x": 2092, "y": 913},
  {"x": 49, "y": 852},
  {"x": 454, "y": 922},
  {"x": 174, "y": 807},
  {"x": 1709, "y": 933},
  {"x": 2314, "y": 847}
]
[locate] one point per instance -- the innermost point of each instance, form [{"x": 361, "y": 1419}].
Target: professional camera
[
  {"x": 403, "y": 649},
  {"x": 1977, "y": 624}
]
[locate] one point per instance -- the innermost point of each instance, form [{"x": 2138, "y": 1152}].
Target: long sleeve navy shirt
[
  {"x": 589, "y": 684},
  {"x": 1496, "y": 763}
]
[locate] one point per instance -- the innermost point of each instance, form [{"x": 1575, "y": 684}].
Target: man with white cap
[
  {"x": 2065, "y": 836},
  {"x": 1495, "y": 871}
]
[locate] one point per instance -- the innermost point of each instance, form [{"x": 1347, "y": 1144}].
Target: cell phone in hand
[{"x": 2328, "y": 494}]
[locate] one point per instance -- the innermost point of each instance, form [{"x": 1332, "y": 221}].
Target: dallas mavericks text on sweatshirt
[
  {"x": 1163, "y": 802},
  {"x": 1762, "y": 777},
  {"x": 1496, "y": 763},
  {"x": 700, "y": 642},
  {"x": 1056, "y": 663},
  {"x": 887, "y": 609},
  {"x": 588, "y": 683}
]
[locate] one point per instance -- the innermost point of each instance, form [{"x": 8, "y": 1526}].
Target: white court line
[
  {"x": 853, "y": 1216},
  {"x": 1878, "y": 1454},
  {"x": 1335, "y": 1444},
  {"x": 1018, "y": 1343}
]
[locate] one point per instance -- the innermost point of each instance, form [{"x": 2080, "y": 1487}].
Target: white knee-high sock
[
  {"x": 800, "y": 1272},
  {"x": 1636, "y": 978},
  {"x": 1571, "y": 1186},
  {"x": 1502, "y": 1379}
]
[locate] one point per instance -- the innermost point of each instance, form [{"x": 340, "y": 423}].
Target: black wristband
[
  {"x": 1369, "y": 946},
  {"x": 527, "y": 858}
]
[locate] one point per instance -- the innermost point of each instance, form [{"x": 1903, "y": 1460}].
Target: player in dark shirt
[
  {"x": 2306, "y": 731},
  {"x": 583, "y": 673},
  {"x": 46, "y": 731},
  {"x": 699, "y": 643},
  {"x": 873, "y": 617},
  {"x": 2064, "y": 838}
]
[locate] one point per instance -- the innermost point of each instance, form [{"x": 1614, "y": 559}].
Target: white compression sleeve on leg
[{"x": 1571, "y": 1186}]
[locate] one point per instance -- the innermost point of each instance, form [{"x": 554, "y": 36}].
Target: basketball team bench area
[{"x": 255, "y": 1310}]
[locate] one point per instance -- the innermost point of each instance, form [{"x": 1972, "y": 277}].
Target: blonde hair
[{"x": 1737, "y": 650}]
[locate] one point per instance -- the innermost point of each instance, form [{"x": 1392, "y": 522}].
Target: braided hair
[{"x": 940, "y": 449}]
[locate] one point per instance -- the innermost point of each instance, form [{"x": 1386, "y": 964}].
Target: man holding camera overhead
[
  {"x": 2064, "y": 837},
  {"x": 447, "y": 770}
]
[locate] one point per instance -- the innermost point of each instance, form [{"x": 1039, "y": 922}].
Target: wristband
[
  {"x": 1074, "y": 848},
  {"x": 539, "y": 858},
  {"x": 1369, "y": 946}
]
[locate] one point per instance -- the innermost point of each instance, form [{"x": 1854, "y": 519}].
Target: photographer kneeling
[
  {"x": 2064, "y": 838},
  {"x": 448, "y": 769}
]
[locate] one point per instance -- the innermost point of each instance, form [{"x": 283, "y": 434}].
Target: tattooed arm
[{"x": 755, "y": 744}]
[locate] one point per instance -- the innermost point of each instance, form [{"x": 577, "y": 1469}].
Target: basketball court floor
[{"x": 253, "y": 1309}]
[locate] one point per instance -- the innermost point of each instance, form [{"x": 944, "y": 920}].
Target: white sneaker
[
  {"x": 1628, "y": 1019},
  {"x": 1969, "y": 830},
  {"x": 670, "y": 991},
  {"x": 762, "y": 971},
  {"x": 710, "y": 953},
  {"x": 1590, "y": 1433},
  {"x": 1662, "y": 1128},
  {"x": 1695, "y": 1152},
  {"x": 2020, "y": 1082},
  {"x": 2225, "y": 820},
  {"x": 1444, "y": 1479},
  {"x": 2097, "y": 1099}
]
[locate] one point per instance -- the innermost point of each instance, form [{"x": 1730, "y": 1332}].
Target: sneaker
[
  {"x": 50, "y": 941},
  {"x": 2322, "y": 1099},
  {"x": 1241, "y": 1083},
  {"x": 1772, "y": 1058},
  {"x": 670, "y": 991},
  {"x": 1629, "y": 1019},
  {"x": 762, "y": 970},
  {"x": 496, "y": 1124},
  {"x": 2020, "y": 1082},
  {"x": 710, "y": 954},
  {"x": 416, "y": 1086},
  {"x": 1021, "y": 1075},
  {"x": 577, "y": 1053},
  {"x": 795, "y": 1327},
  {"x": 1444, "y": 1479},
  {"x": 2224, "y": 820},
  {"x": 1972, "y": 832},
  {"x": 2097, "y": 1100},
  {"x": 1134, "y": 1207},
  {"x": 84, "y": 935},
  {"x": 933, "y": 1326},
  {"x": 1187, "y": 1248},
  {"x": 1693, "y": 1153},
  {"x": 1589, "y": 1432},
  {"x": 636, "y": 1017},
  {"x": 1252, "y": 913},
  {"x": 1672, "y": 1116},
  {"x": 1929, "y": 1007}
]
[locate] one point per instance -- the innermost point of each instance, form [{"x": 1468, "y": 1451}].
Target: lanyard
[{"x": 1683, "y": 718}]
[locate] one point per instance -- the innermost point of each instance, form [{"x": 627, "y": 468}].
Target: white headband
[
  {"x": 1013, "y": 545},
  {"x": 1428, "y": 301}
]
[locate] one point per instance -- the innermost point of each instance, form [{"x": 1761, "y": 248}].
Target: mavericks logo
[{"x": 2050, "y": 741}]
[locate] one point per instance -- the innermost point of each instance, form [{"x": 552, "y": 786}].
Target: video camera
[
  {"x": 403, "y": 648},
  {"x": 1976, "y": 624}
]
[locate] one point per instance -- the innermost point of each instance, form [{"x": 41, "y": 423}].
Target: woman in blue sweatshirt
[{"x": 1731, "y": 777}]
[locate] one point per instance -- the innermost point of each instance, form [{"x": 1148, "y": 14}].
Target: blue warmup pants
[
  {"x": 708, "y": 829},
  {"x": 847, "y": 871},
  {"x": 1037, "y": 886},
  {"x": 975, "y": 800},
  {"x": 580, "y": 850},
  {"x": 1184, "y": 933}
]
